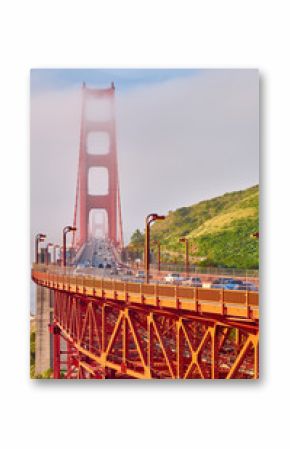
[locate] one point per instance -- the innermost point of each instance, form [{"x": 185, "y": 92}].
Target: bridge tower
[{"x": 98, "y": 182}]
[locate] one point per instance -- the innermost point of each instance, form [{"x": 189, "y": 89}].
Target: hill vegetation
[{"x": 219, "y": 232}]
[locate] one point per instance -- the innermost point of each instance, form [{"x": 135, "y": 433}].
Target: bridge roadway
[
  {"x": 230, "y": 303},
  {"x": 96, "y": 252}
]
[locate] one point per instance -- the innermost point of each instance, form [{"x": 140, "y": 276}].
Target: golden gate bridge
[{"x": 112, "y": 328}]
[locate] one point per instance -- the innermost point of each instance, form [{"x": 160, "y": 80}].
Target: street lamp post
[
  {"x": 54, "y": 253},
  {"x": 39, "y": 238},
  {"x": 61, "y": 255},
  {"x": 148, "y": 220},
  {"x": 64, "y": 233},
  {"x": 47, "y": 253},
  {"x": 185, "y": 240}
]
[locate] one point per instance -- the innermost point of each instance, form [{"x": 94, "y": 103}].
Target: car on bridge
[
  {"x": 250, "y": 286},
  {"x": 137, "y": 281},
  {"x": 142, "y": 275},
  {"x": 235, "y": 284},
  {"x": 173, "y": 278},
  {"x": 221, "y": 282},
  {"x": 192, "y": 282}
]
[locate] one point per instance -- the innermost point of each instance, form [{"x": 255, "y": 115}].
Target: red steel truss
[{"x": 105, "y": 339}]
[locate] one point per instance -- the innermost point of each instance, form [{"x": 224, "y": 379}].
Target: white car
[{"x": 173, "y": 278}]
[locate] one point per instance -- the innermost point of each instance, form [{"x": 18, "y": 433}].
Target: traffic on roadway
[{"x": 99, "y": 258}]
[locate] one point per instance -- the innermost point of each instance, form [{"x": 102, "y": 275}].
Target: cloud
[{"x": 187, "y": 140}]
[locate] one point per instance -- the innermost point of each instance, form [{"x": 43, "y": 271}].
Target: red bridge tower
[{"x": 98, "y": 184}]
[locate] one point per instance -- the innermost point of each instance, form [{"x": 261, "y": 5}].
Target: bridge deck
[{"x": 228, "y": 303}]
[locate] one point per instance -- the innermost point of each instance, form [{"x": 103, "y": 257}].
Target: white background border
[{"x": 144, "y": 34}]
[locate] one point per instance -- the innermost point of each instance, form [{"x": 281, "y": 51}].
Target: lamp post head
[
  {"x": 153, "y": 217},
  {"x": 69, "y": 229},
  {"x": 183, "y": 239},
  {"x": 41, "y": 237},
  {"x": 38, "y": 238}
]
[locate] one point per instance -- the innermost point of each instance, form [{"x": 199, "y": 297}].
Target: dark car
[
  {"x": 108, "y": 265},
  {"x": 248, "y": 286},
  {"x": 100, "y": 265},
  {"x": 221, "y": 282},
  {"x": 236, "y": 284}
]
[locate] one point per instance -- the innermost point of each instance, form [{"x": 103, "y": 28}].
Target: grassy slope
[{"x": 219, "y": 230}]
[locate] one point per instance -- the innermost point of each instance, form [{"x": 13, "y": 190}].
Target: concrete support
[{"x": 43, "y": 338}]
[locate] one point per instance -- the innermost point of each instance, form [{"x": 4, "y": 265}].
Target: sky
[{"x": 183, "y": 135}]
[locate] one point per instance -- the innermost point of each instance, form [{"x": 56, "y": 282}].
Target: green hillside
[{"x": 219, "y": 232}]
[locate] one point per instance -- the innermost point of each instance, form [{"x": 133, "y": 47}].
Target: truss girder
[{"x": 106, "y": 339}]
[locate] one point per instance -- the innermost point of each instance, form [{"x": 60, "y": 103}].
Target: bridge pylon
[{"x": 98, "y": 182}]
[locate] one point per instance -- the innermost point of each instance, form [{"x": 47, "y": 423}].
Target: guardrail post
[
  {"x": 94, "y": 287},
  {"x": 115, "y": 291},
  {"x": 247, "y": 304},
  {"x": 84, "y": 286},
  {"x": 156, "y": 294},
  {"x": 142, "y": 294},
  {"x": 195, "y": 298},
  {"x": 102, "y": 288},
  {"x": 126, "y": 292},
  {"x": 176, "y": 296},
  {"x": 222, "y": 298}
]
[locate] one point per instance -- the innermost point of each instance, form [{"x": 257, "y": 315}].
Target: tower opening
[
  {"x": 98, "y": 181},
  {"x": 98, "y": 142},
  {"x": 98, "y": 223}
]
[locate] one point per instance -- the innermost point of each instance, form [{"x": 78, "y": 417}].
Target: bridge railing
[{"x": 157, "y": 294}]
